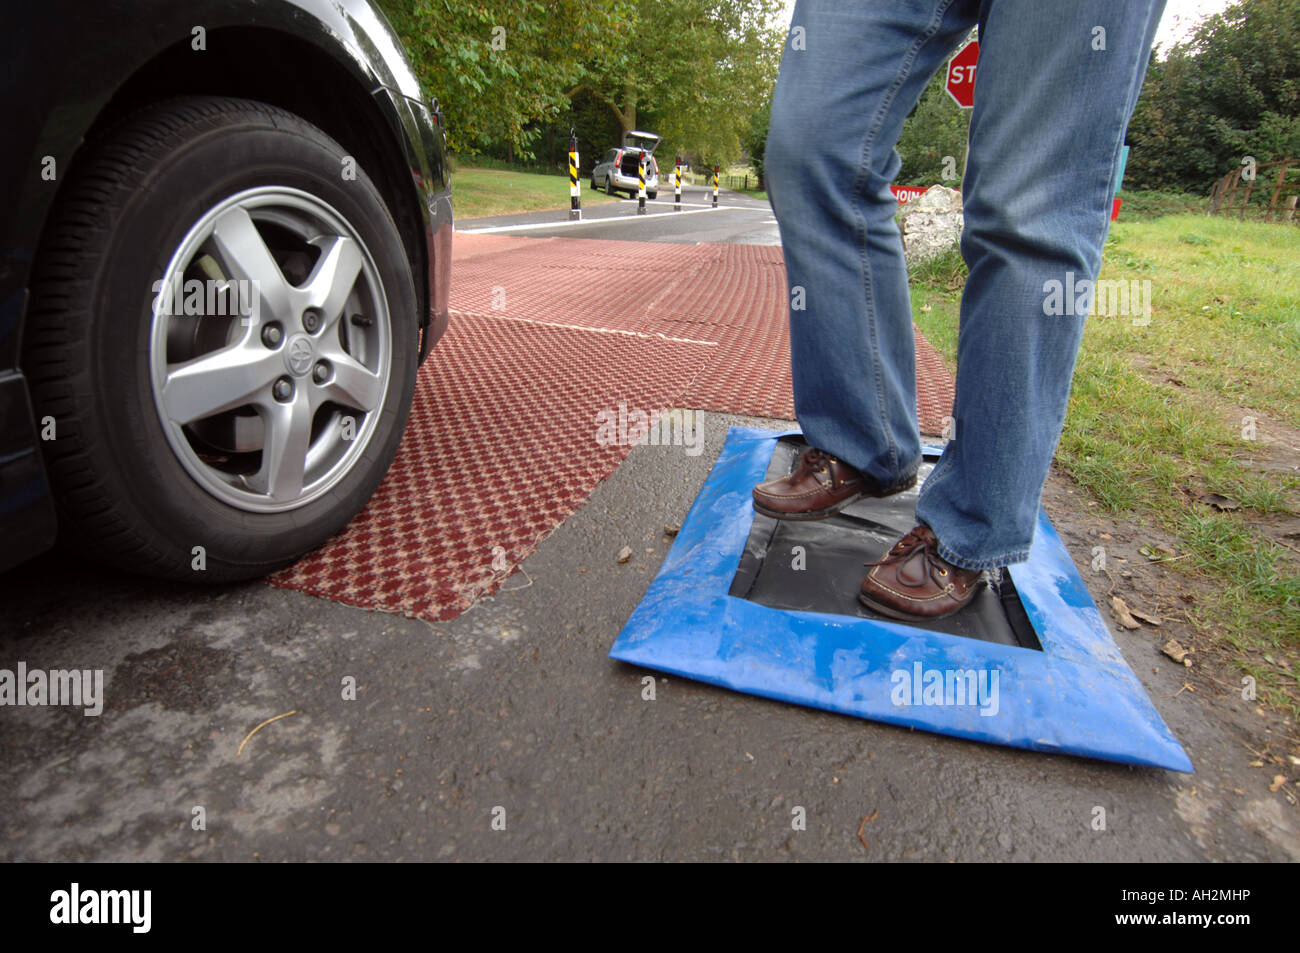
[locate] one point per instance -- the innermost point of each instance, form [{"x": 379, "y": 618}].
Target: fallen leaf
[
  {"x": 1174, "y": 651},
  {"x": 1278, "y": 781},
  {"x": 1257, "y": 764},
  {"x": 865, "y": 822},
  {"x": 625, "y": 554},
  {"x": 672, "y": 529},
  {"x": 1119, "y": 609},
  {"x": 1219, "y": 502},
  {"x": 1146, "y": 617}
]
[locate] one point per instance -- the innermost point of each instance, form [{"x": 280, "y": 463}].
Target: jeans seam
[
  {"x": 864, "y": 169},
  {"x": 1124, "y": 110},
  {"x": 995, "y": 562}
]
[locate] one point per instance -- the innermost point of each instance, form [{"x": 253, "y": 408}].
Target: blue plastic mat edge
[{"x": 1077, "y": 696}]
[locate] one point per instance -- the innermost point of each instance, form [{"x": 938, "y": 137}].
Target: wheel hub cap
[
  {"x": 219, "y": 374},
  {"x": 299, "y": 355}
]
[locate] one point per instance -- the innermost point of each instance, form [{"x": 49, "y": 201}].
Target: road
[
  {"x": 513, "y": 711},
  {"x": 738, "y": 218}
]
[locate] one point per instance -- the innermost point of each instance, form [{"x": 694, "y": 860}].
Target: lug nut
[
  {"x": 321, "y": 372},
  {"x": 311, "y": 320},
  {"x": 272, "y": 335},
  {"x": 282, "y": 389}
]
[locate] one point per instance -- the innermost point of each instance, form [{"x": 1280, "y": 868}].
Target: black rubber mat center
[{"x": 818, "y": 566}]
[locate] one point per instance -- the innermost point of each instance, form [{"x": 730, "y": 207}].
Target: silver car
[{"x": 617, "y": 170}]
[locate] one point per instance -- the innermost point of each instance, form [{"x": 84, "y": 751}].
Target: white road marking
[
  {"x": 582, "y": 327},
  {"x": 601, "y": 221}
]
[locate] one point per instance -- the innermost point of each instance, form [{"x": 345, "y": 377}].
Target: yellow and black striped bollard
[
  {"x": 575, "y": 195},
  {"x": 715, "y": 186},
  {"x": 640, "y": 189},
  {"x": 677, "y": 186}
]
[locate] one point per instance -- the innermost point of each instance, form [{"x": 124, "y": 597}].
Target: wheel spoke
[
  {"x": 204, "y": 395},
  {"x": 222, "y": 380},
  {"x": 284, "y": 454},
  {"x": 332, "y": 279},
  {"x": 353, "y": 384},
  {"x": 246, "y": 257}
]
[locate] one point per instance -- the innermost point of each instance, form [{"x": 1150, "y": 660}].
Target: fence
[
  {"x": 1270, "y": 195},
  {"x": 737, "y": 183}
]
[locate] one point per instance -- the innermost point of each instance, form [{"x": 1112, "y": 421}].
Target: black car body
[{"x": 75, "y": 68}]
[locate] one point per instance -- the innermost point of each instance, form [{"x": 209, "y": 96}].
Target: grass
[
  {"x": 481, "y": 192},
  {"x": 1156, "y": 415},
  {"x": 1144, "y": 206}
]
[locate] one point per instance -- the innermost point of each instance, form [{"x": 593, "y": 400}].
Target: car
[
  {"x": 226, "y": 252},
  {"x": 617, "y": 170}
]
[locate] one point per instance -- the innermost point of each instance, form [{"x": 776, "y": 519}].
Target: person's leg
[
  {"x": 850, "y": 74},
  {"x": 1056, "y": 84}
]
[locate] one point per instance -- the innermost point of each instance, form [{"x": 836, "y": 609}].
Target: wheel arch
[{"x": 284, "y": 70}]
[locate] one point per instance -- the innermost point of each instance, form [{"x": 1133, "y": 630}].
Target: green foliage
[
  {"x": 756, "y": 139},
  {"x": 936, "y": 129},
  {"x": 1231, "y": 90},
  {"x": 514, "y": 75},
  {"x": 500, "y": 66},
  {"x": 693, "y": 71}
]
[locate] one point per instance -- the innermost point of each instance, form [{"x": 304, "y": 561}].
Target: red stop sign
[{"x": 961, "y": 75}]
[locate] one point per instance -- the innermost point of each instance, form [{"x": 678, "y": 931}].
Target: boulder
[{"x": 931, "y": 223}]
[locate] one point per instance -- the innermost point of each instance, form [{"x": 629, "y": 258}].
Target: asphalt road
[
  {"x": 515, "y": 711},
  {"x": 737, "y": 218}
]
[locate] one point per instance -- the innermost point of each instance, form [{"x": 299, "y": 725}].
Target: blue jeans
[{"x": 1051, "y": 110}]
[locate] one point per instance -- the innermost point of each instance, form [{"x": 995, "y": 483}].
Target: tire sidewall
[{"x": 180, "y": 189}]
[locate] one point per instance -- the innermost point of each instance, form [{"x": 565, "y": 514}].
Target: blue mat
[{"x": 1076, "y": 696}]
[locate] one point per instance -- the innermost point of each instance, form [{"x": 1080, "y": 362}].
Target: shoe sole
[
  {"x": 810, "y": 515},
  {"x": 910, "y": 617},
  {"x": 830, "y": 510}
]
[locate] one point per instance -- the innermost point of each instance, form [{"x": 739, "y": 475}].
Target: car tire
[
  {"x": 118, "y": 371},
  {"x": 652, "y": 195},
  {"x": 609, "y": 186}
]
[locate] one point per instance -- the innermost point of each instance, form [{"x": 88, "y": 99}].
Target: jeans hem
[{"x": 997, "y": 562}]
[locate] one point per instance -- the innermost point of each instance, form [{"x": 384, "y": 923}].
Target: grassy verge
[
  {"x": 1146, "y": 206},
  {"x": 481, "y": 192},
  {"x": 1203, "y": 399}
]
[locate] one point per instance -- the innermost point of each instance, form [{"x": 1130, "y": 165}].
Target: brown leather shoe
[
  {"x": 819, "y": 486},
  {"x": 914, "y": 583}
]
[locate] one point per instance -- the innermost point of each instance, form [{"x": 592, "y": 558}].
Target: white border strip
[
  {"x": 580, "y": 327},
  {"x": 599, "y": 221}
]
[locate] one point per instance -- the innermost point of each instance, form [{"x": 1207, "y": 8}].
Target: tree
[
  {"x": 756, "y": 139},
  {"x": 500, "y": 67},
  {"x": 1231, "y": 90},
  {"x": 699, "y": 68},
  {"x": 935, "y": 132}
]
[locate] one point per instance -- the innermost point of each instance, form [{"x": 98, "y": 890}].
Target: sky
[{"x": 1180, "y": 18}]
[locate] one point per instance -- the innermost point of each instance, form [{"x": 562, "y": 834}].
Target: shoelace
[
  {"x": 916, "y": 538},
  {"x": 817, "y": 459}
]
